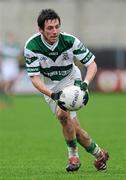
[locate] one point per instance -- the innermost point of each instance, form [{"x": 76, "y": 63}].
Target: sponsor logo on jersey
[
  {"x": 58, "y": 73},
  {"x": 53, "y": 53}
]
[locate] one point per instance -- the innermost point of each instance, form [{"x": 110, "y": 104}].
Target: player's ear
[{"x": 40, "y": 30}]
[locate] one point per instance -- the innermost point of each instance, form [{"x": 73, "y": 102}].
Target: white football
[{"x": 72, "y": 96}]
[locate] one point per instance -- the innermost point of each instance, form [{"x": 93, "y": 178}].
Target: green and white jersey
[{"x": 55, "y": 62}]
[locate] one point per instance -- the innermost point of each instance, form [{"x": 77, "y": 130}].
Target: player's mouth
[{"x": 54, "y": 37}]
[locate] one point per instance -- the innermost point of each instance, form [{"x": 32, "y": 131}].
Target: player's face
[{"x": 51, "y": 30}]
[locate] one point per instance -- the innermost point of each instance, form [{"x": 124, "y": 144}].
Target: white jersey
[
  {"x": 9, "y": 62},
  {"x": 55, "y": 62}
]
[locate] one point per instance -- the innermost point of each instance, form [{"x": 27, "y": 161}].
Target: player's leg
[
  {"x": 70, "y": 137},
  {"x": 91, "y": 147}
]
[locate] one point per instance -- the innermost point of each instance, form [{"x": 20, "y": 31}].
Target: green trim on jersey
[
  {"x": 37, "y": 46},
  {"x": 87, "y": 58},
  {"x": 33, "y": 69},
  {"x": 79, "y": 51},
  {"x": 30, "y": 60}
]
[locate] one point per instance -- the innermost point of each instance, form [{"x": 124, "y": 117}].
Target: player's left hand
[
  {"x": 86, "y": 98},
  {"x": 56, "y": 97},
  {"x": 83, "y": 85}
]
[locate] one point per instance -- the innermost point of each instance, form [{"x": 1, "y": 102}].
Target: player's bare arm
[
  {"x": 37, "y": 82},
  {"x": 91, "y": 71}
]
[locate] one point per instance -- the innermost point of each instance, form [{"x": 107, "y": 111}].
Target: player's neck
[{"x": 49, "y": 45}]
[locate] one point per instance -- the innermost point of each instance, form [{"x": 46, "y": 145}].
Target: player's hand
[
  {"x": 86, "y": 98},
  {"x": 56, "y": 97},
  {"x": 83, "y": 85},
  {"x": 61, "y": 105}
]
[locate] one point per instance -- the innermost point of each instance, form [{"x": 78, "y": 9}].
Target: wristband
[{"x": 86, "y": 81}]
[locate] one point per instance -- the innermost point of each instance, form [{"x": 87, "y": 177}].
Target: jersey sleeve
[
  {"x": 32, "y": 63},
  {"x": 82, "y": 53}
]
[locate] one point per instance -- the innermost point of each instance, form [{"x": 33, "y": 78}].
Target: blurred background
[
  {"x": 100, "y": 24},
  {"x": 31, "y": 142}
]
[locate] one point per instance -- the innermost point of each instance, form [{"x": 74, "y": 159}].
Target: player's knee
[{"x": 61, "y": 115}]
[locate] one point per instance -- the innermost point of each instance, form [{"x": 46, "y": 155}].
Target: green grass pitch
[{"x": 32, "y": 146}]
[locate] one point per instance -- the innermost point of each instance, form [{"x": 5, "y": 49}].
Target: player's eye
[
  {"x": 50, "y": 27},
  {"x": 57, "y": 26}
]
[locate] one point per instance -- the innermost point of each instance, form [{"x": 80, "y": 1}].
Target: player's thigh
[{"x": 54, "y": 107}]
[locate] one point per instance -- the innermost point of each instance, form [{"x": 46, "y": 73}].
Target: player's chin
[{"x": 53, "y": 39}]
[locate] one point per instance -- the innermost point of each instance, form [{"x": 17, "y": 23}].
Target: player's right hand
[{"x": 56, "y": 96}]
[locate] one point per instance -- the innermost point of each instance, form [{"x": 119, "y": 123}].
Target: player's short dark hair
[{"x": 47, "y": 14}]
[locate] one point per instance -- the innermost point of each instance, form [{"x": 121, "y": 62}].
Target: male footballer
[{"x": 49, "y": 61}]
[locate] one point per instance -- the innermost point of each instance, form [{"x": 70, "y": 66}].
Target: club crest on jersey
[{"x": 65, "y": 56}]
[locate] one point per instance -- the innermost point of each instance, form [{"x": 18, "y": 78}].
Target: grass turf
[{"x": 32, "y": 146}]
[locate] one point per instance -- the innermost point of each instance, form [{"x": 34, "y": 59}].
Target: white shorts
[
  {"x": 53, "y": 107},
  {"x": 69, "y": 80}
]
